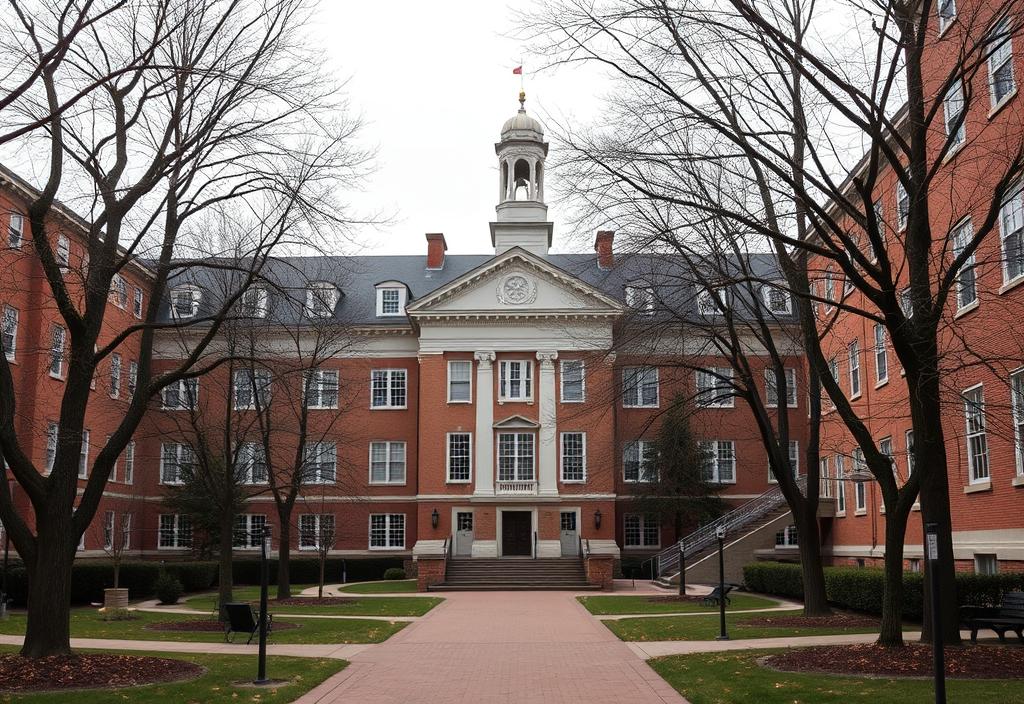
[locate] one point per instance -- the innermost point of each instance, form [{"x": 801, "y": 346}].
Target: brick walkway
[{"x": 521, "y": 647}]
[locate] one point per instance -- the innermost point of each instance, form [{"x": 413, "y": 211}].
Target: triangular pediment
[
  {"x": 517, "y": 422},
  {"x": 516, "y": 283}
]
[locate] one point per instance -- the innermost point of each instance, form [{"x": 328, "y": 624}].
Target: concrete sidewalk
[
  {"x": 152, "y": 606},
  {"x": 660, "y": 648}
]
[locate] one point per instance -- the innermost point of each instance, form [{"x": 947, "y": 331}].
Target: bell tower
[{"x": 522, "y": 215}]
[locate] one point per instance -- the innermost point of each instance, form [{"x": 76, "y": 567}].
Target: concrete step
[{"x": 503, "y": 586}]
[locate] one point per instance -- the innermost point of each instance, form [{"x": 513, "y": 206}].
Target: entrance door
[
  {"x": 464, "y": 533},
  {"x": 515, "y": 533},
  {"x": 570, "y": 541}
]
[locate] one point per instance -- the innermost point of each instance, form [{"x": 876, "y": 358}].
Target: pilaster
[
  {"x": 484, "y": 434},
  {"x": 547, "y": 452}
]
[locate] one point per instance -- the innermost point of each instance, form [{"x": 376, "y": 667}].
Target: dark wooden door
[{"x": 516, "y": 538}]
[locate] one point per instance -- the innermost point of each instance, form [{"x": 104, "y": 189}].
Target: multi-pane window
[
  {"x": 319, "y": 462},
  {"x": 977, "y": 440},
  {"x": 719, "y": 461},
  {"x": 249, "y": 529},
  {"x": 711, "y": 301},
  {"x": 115, "y": 375},
  {"x": 826, "y": 479},
  {"x": 830, "y": 287},
  {"x": 137, "y": 302},
  {"x": 388, "y": 388},
  {"x": 460, "y": 464},
  {"x": 251, "y": 463},
  {"x": 133, "y": 377},
  {"x": 907, "y": 302},
  {"x": 389, "y": 301},
  {"x": 52, "y": 432},
  {"x": 854, "y": 355},
  {"x": 1000, "y": 61},
  {"x": 638, "y": 461},
  {"x": 184, "y": 301},
  {"x": 108, "y": 530},
  {"x": 885, "y": 447},
  {"x": 321, "y": 388},
  {"x": 986, "y": 564},
  {"x": 83, "y": 456},
  {"x": 860, "y": 486},
  {"x": 177, "y": 461},
  {"x": 515, "y": 456},
  {"x": 966, "y": 279},
  {"x": 175, "y": 531},
  {"x": 573, "y": 380},
  {"x": 840, "y": 484},
  {"x": 1017, "y": 392},
  {"x": 15, "y": 229},
  {"x": 879, "y": 212},
  {"x": 714, "y": 387},
  {"x": 63, "y": 251},
  {"x": 320, "y": 300},
  {"x": 387, "y": 531},
  {"x": 316, "y": 531},
  {"x": 881, "y": 354},
  {"x": 254, "y": 302},
  {"x": 787, "y": 538},
  {"x": 57, "y": 334},
  {"x": 9, "y": 332},
  {"x": 953, "y": 113},
  {"x": 574, "y": 457},
  {"x": 641, "y": 531},
  {"x": 909, "y": 439},
  {"x": 182, "y": 394},
  {"x": 119, "y": 291},
  {"x": 460, "y": 381},
  {"x": 387, "y": 462},
  {"x": 640, "y": 298},
  {"x": 515, "y": 381},
  {"x": 129, "y": 463},
  {"x": 777, "y": 299},
  {"x": 833, "y": 371},
  {"x": 640, "y": 387},
  {"x": 902, "y": 205},
  {"x": 793, "y": 457},
  {"x": 947, "y": 13},
  {"x": 252, "y": 388},
  {"x": 113, "y": 469},
  {"x": 772, "y": 389},
  {"x": 1011, "y": 231}
]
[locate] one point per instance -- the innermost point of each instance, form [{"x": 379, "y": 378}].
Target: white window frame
[
  {"x": 902, "y": 206},
  {"x": 878, "y": 208},
  {"x": 129, "y": 463},
  {"x": 712, "y": 301},
  {"x": 766, "y": 295},
  {"x": 52, "y": 438},
  {"x": 563, "y": 364},
  {"x": 830, "y": 288},
  {"x": 986, "y": 563},
  {"x": 634, "y": 381},
  {"x": 316, "y": 388},
  {"x": 976, "y": 435},
  {"x": 643, "y": 520},
  {"x": 321, "y": 299},
  {"x": 313, "y": 455},
  {"x": 840, "y": 485},
  {"x": 15, "y": 233},
  {"x": 180, "y": 531},
  {"x": 58, "y": 342},
  {"x": 1017, "y": 404},
  {"x": 133, "y": 378},
  {"x": 448, "y": 457},
  {"x": 793, "y": 455},
  {"x": 390, "y": 387},
  {"x": 391, "y": 447},
  {"x": 954, "y": 107},
  {"x": 259, "y": 382},
  {"x": 195, "y": 295},
  {"x": 385, "y": 293},
  {"x": 460, "y": 363},
  {"x": 181, "y": 386},
  {"x": 318, "y": 529},
  {"x": 137, "y": 301},
  {"x": 254, "y": 302},
  {"x": 946, "y": 11},
  {"x": 966, "y": 277},
  {"x": 563, "y": 437},
  {"x": 853, "y": 353},
  {"x": 826, "y": 478},
  {"x": 770, "y": 388},
  {"x": 248, "y": 456},
  {"x": 524, "y": 369},
  {"x": 83, "y": 456},
  {"x": 998, "y": 56},
  {"x": 860, "y": 489},
  {"x": 10, "y": 320},
  {"x": 644, "y": 459},
  {"x": 182, "y": 451},
  {"x": 62, "y": 252},
  {"x": 640, "y": 297},
  {"x": 389, "y": 518},
  {"x": 719, "y": 392},
  {"x": 115, "y": 375},
  {"x": 712, "y": 449},
  {"x": 119, "y": 291},
  {"x": 1011, "y": 225},
  {"x": 881, "y": 354},
  {"x": 251, "y": 526},
  {"x": 518, "y": 457}
]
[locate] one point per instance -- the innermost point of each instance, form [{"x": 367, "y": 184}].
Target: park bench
[
  {"x": 242, "y": 618},
  {"x": 1008, "y": 616},
  {"x": 717, "y": 594}
]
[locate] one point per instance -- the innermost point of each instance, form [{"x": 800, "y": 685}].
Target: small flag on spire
[{"x": 517, "y": 71}]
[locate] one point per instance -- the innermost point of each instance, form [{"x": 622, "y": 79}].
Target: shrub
[
  {"x": 118, "y": 615},
  {"x": 306, "y": 570},
  {"x": 168, "y": 588},
  {"x": 394, "y": 573}
]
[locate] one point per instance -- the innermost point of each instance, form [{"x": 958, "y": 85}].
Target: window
[
  {"x": 321, "y": 298},
  {"x": 881, "y": 354},
  {"x": 826, "y": 479},
  {"x": 902, "y": 205},
  {"x": 772, "y": 389},
  {"x": 176, "y": 462},
  {"x": 885, "y": 447},
  {"x": 387, "y": 388},
  {"x": 63, "y": 252},
  {"x": 830, "y": 287},
  {"x": 909, "y": 439},
  {"x": 833, "y": 370},
  {"x": 986, "y": 564},
  {"x": 9, "y": 333},
  {"x": 115, "y": 375},
  {"x": 847, "y": 284},
  {"x": 840, "y": 485},
  {"x": 391, "y": 301},
  {"x": 880, "y": 224},
  {"x": 966, "y": 284},
  {"x": 137, "y": 302},
  {"x": 573, "y": 381},
  {"x": 113, "y": 469},
  {"x": 15, "y": 228},
  {"x": 387, "y": 463},
  {"x": 638, "y": 461},
  {"x": 641, "y": 531},
  {"x": 251, "y": 463},
  {"x": 460, "y": 381},
  {"x": 714, "y": 387},
  {"x": 515, "y": 381},
  {"x": 787, "y": 538},
  {"x": 977, "y": 442},
  {"x": 322, "y": 388},
  {"x": 515, "y": 457},
  {"x": 711, "y": 301},
  {"x": 252, "y": 388},
  {"x": 914, "y": 564},
  {"x": 777, "y": 299},
  {"x": 319, "y": 462},
  {"x": 249, "y": 529},
  {"x": 860, "y": 487},
  {"x": 119, "y": 291},
  {"x": 794, "y": 462},
  {"x": 854, "y": 354},
  {"x": 1011, "y": 231},
  {"x": 52, "y": 431},
  {"x": 83, "y": 456},
  {"x": 907, "y": 303},
  {"x": 640, "y": 387},
  {"x": 387, "y": 531},
  {"x": 184, "y": 301},
  {"x": 316, "y": 531},
  {"x": 460, "y": 463},
  {"x": 953, "y": 113},
  {"x": 1017, "y": 393},
  {"x": 129, "y": 463},
  {"x": 947, "y": 13},
  {"x": 175, "y": 531},
  {"x": 719, "y": 461},
  {"x": 1000, "y": 62},
  {"x": 57, "y": 352},
  {"x": 182, "y": 394},
  {"x": 640, "y": 298},
  {"x": 254, "y": 302},
  {"x": 574, "y": 457},
  {"x": 133, "y": 378}
]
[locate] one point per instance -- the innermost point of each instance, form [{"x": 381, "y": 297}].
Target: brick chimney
[
  {"x": 436, "y": 247},
  {"x": 603, "y": 247}
]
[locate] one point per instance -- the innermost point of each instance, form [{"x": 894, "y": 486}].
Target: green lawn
[
  {"x": 707, "y": 628},
  {"x": 214, "y": 687},
  {"x": 736, "y": 678},
  {"x": 395, "y": 586},
  {"x": 392, "y": 606},
  {"x": 637, "y": 604},
  {"x": 87, "y": 623}
]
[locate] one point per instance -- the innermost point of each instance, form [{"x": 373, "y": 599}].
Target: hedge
[
  {"x": 306, "y": 570},
  {"x": 860, "y": 589}
]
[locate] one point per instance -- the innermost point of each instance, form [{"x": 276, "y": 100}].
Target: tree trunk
[
  {"x": 323, "y": 564},
  {"x": 225, "y": 578},
  {"x": 284, "y": 552},
  {"x": 48, "y": 630},
  {"x": 809, "y": 537},
  {"x": 891, "y": 633}
]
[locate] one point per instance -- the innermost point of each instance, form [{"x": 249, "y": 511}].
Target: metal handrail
[{"x": 668, "y": 559}]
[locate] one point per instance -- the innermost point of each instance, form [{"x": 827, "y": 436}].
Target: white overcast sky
[{"x": 434, "y": 82}]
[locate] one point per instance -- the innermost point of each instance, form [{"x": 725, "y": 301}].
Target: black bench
[
  {"x": 717, "y": 595},
  {"x": 1008, "y": 616},
  {"x": 242, "y": 618}
]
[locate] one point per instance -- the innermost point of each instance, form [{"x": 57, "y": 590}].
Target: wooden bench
[
  {"x": 242, "y": 618},
  {"x": 1008, "y": 616}
]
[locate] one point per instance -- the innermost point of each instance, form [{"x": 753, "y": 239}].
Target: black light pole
[
  {"x": 931, "y": 532},
  {"x": 682, "y": 570},
  {"x": 720, "y": 534},
  {"x": 261, "y": 676}
]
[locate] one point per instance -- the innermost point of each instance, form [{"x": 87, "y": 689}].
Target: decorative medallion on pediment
[{"x": 516, "y": 290}]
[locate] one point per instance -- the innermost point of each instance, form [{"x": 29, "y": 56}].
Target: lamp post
[
  {"x": 261, "y": 676},
  {"x": 931, "y": 533},
  {"x": 720, "y": 534},
  {"x": 682, "y": 570}
]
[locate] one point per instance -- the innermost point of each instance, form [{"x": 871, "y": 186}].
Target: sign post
[
  {"x": 682, "y": 570},
  {"x": 938, "y": 655}
]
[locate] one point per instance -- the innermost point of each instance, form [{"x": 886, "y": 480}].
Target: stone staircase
[{"x": 510, "y": 574}]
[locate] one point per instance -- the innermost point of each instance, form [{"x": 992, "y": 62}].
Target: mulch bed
[
  {"x": 90, "y": 671},
  {"x": 791, "y": 621},
  {"x": 913, "y": 660},
  {"x": 207, "y": 626},
  {"x": 675, "y": 599},
  {"x": 313, "y": 601}
]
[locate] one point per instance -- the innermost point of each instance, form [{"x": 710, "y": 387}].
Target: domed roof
[{"x": 522, "y": 126}]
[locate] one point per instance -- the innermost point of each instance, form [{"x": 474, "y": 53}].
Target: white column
[
  {"x": 484, "y": 434},
  {"x": 547, "y": 457},
  {"x": 533, "y": 180}
]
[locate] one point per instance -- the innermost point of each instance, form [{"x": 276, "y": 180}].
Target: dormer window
[
  {"x": 777, "y": 300},
  {"x": 640, "y": 298},
  {"x": 184, "y": 301},
  {"x": 253, "y": 302},
  {"x": 391, "y": 298},
  {"x": 711, "y": 301},
  {"x": 321, "y": 298}
]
